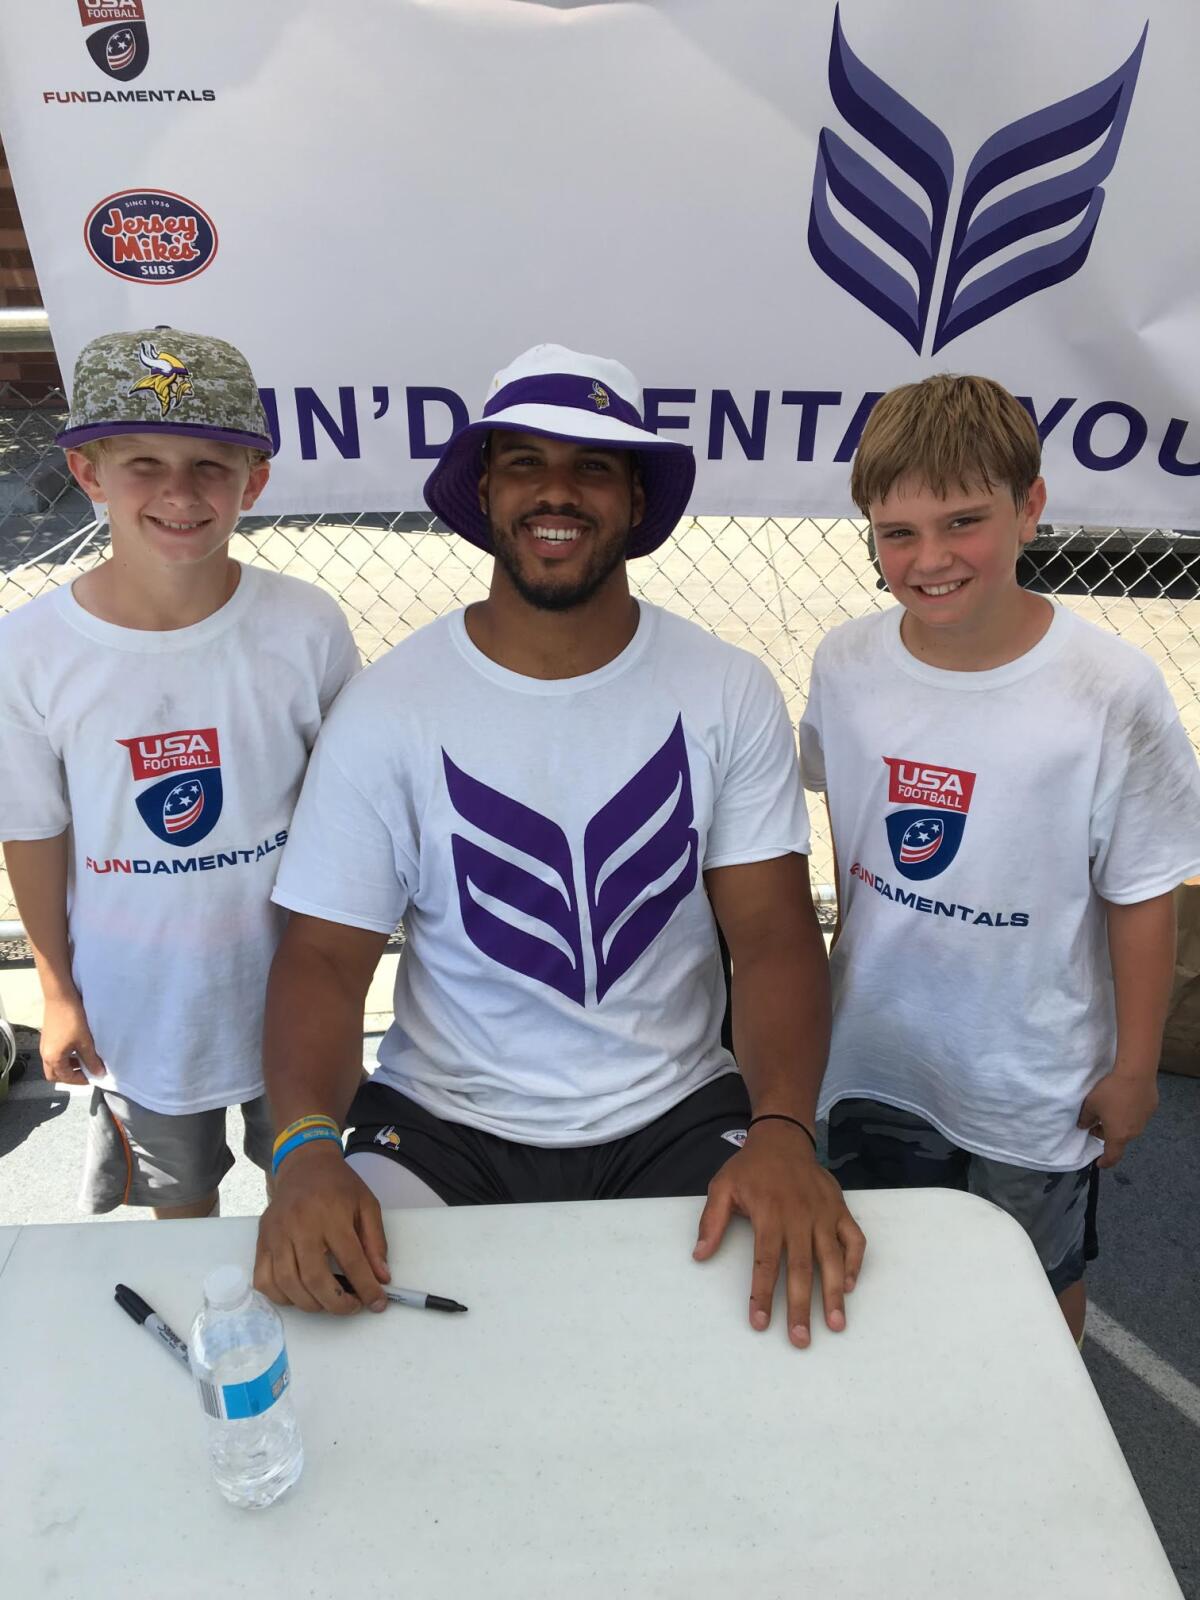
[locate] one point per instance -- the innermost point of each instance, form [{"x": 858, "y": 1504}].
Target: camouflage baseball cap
[{"x": 162, "y": 380}]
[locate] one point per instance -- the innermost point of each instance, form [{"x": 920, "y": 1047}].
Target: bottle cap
[{"x": 226, "y": 1286}]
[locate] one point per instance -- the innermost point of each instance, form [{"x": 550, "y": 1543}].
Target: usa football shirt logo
[
  {"x": 924, "y": 838},
  {"x": 184, "y": 805}
]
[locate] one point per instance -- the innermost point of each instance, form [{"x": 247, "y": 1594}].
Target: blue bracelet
[{"x": 306, "y": 1136}]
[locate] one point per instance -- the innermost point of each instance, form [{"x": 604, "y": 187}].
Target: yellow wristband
[{"x": 301, "y": 1123}]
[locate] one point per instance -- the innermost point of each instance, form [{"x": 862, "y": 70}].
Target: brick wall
[{"x": 31, "y": 373}]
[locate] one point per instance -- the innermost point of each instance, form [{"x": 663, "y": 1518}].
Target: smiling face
[
  {"x": 950, "y": 559},
  {"x": 170, "y": 498},
  {"x": 560, "y": 515}
]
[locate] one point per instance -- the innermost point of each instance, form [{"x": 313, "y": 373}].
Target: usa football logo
[
  {"x": 121, "y": 49},
  {"x": 184, "y": 805},
  {"x": 924, "y": 839}
]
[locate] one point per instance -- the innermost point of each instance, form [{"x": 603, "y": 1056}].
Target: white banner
[{"x": 772, "y": 210}]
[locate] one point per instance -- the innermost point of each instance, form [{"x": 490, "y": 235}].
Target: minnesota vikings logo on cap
[
  {"x": 184, "y": 806},
  {"x": 599, "y": 397},
  {"x": 924, "y": 840},
  {"x": 167, "y": 376}
]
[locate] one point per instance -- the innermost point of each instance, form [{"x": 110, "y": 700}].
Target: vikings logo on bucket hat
[
  {"x": 565, "y": 395},
  {"x": 162, "y": 380}
]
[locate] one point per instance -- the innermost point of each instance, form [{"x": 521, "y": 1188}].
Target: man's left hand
[{"x": 796, "y": 1209}]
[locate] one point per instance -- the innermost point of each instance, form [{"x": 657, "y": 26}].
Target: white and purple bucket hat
[{"x": 565, "y": 395}]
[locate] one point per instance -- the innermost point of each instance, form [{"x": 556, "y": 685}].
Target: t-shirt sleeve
[
  {"x": 33, "y": 793},
  {"x": 1146, "y": 824},
  {"x": 343, "y": 663},
  {"x": 812, "y": 739},
  {"x": 342, "y": 861},
  {"x": 759, "y": 810}
]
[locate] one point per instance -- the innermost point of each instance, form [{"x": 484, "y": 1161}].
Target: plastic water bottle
[{"x": 240, "y": 1364}]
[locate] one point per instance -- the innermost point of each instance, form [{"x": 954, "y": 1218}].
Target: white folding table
[{"x": 602, "y": 1423}]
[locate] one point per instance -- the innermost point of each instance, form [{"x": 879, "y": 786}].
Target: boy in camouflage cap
[{"x": 156, "y": 716}]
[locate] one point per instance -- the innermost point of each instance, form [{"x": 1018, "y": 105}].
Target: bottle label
[{"x": 232, "y": 1402}]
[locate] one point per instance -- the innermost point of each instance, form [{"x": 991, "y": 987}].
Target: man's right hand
[
  {"x": 321, "y": 1207},
  {"x": 66, "y": 1042}
]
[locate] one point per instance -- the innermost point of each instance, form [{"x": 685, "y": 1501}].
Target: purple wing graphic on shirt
[
  {"x": 641, "y": 855},
  {"x": 517, "y": 896}
]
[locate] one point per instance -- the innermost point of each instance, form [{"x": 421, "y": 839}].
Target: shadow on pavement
[{"x": 20, "y": 1118}]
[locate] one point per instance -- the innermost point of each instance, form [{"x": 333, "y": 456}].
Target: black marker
[
  {"x": 154, "y": 1325},
  {"x": 407, "y": 1297}
]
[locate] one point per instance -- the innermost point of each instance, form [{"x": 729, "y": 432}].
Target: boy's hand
[
  {"x": 321, "y": 1208},
  {"x": 798, "y": 1211},
  {"x": 1118, "y": 1109},
  {"x": 66, "y": 1043}
]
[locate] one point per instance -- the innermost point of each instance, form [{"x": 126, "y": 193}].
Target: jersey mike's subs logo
[
  {"x": 150, "y": 235},
  {"x": 924, "y": 837},
  {"x": 183, "y": 804}
]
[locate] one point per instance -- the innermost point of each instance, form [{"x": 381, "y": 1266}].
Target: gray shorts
[
  {"x": 876, "y": 1146},
  {"x": 138, "y": 1157}
]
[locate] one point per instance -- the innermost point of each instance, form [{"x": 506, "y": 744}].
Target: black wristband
[{"x": 778, "y": 1116}]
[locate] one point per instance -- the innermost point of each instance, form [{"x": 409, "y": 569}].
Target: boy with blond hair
[
  {"x": 1013, "y": 799},
  {"x": 156, "y": 717}
]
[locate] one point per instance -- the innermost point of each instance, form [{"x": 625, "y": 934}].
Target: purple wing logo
[
  {"x": 641, "y": 859},
  {"x": 527, "y": 919},
  {"x": 1089, "y": 125}
]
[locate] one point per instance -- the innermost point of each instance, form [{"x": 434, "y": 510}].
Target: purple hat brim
[
  {"x": 667, "y": 469},
  {"x": 72, "y": 438}
]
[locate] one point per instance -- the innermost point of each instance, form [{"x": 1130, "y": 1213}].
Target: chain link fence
[{"x": 772, "y": 586}]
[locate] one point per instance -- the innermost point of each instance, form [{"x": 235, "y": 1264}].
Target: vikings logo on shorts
[
  {"x": 184, "y": 805},
  {"x": 925, "y": 840}
]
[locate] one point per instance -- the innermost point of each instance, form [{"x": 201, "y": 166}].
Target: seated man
[{"x": 543, "y": 786}]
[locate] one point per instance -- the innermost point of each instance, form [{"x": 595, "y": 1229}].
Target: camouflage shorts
[{"x": 875, "y": 1146}]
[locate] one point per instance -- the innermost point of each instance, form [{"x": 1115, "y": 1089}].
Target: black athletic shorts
[{"x": 677, "y": 1154}]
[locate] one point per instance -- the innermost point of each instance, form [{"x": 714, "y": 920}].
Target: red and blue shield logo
[
  {"x": 924, "y": 843},
  {"x": 184, "y": 812},
  {"x": 924, "y": 837},
  {"x": 122, "y": 51},
  {"x": 183, "y": 804}
]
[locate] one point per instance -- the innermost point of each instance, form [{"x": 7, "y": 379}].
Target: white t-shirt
[
  {"x": 544, "y": 842},
  {"x": 979, "y": 817},
  {"x": 175, "y": 758}
]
